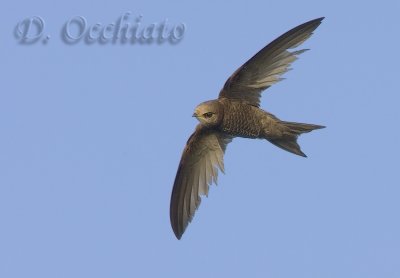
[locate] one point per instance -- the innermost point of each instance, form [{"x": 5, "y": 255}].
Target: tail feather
[
  {"x": 288, "y": 145},
  {"x": 299, "y": 128},
  {"x": 288, "y": 142}
]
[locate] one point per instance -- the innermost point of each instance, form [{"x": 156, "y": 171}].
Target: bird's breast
[{"x": 241, "y": 120}]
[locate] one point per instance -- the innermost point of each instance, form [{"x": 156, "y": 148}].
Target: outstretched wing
[
  {"x": 198, "y": 169},
  {"x": 266, "y": 67}
]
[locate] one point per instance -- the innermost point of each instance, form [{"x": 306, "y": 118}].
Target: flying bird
[{"x": 237, "y": 113}]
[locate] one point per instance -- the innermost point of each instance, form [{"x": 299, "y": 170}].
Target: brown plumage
[{"x": 236, "y": 113}]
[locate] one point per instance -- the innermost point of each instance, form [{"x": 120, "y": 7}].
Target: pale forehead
[{"x": 206, "y": 105}]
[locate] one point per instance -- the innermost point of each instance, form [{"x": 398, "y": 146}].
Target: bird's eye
[{"x": 207, "y": 115}]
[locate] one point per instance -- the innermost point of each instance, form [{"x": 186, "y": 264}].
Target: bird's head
[{"x": 209, "y": 113}]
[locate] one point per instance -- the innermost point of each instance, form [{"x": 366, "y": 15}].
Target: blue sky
[{"x": 91, "y": 137}]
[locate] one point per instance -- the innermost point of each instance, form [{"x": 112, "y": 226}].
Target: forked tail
[{"x": 288, "y": 141}]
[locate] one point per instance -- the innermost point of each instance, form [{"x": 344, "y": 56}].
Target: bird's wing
[
  {"x": 198, "y": 169},
  {"x": 266, "y": 67}
]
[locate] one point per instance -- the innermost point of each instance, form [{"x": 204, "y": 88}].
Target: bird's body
[
  {"x": 241, "y": 119},
  {"x": 236, "y": 113}
]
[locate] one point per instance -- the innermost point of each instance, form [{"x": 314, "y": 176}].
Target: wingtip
[
  {"x": 178, "y": 231},
  {"x": 177, "y": 234},
  {"x": 178, "y": 237},
  {"x": 316, "y": 21},
  {"x": 319, "y": 19},
  {"x": 302, "y": 154}
]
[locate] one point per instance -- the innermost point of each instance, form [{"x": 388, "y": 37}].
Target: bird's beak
[{"x": 194, "y": 115}]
